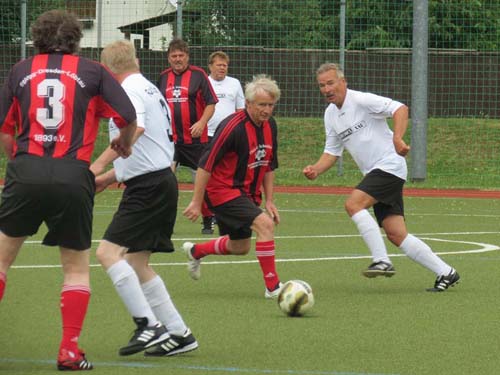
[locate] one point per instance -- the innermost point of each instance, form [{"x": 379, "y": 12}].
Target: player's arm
[
  {"x": 111, "y": 153},
  {"x": 7, "y": 142},
  {"x": 400, "y": 119},
  {"x": 268, "y": 187},
  {"x": 325, "y": 162},
  {"x": 200, "y": 125},
  {"x": 104, "y": 180},
  {"x": 193, "y": 210}
]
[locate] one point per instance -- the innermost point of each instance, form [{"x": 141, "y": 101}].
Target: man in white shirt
[
  {"x": 228, "y": 90},
  {"x": 146, "y": 215},
  {"x": 357, "y": 121}
]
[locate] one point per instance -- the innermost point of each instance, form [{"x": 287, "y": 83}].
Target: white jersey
[
  {"x": 154, "y": 149},
  {"x": 361, "y": 127},
  {"x": 231, "y": 98}
]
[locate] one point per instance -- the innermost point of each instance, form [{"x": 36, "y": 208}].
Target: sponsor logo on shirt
[
  {"x": 177, "y": 94},
  {"x": 353, "y": 129}
]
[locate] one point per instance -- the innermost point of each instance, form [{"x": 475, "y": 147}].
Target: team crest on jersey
[
  {"x": 260, "y": 156},
  {"x": 176, "y": 92},
  {"x": 261, "y": 152}
]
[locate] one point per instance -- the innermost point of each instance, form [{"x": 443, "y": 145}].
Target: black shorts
[
  {"x": 387, "y": 189},
  {"x": 189, "y": 155},
  {"x": 59, "y": 192},
  {"x": 146, "y": 215},
  {"x": 236, "y": 217}
]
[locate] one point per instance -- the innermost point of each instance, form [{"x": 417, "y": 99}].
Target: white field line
[{"x": 482, "y": 248}]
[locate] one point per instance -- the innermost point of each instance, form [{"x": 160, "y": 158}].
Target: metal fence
[{"x": 446, "y": 50}]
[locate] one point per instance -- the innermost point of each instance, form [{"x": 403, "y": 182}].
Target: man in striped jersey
[
  {"x": 49, "y": 115},
  {"x": 191, "y": 99},
  {"x": 238, "y": 164}
]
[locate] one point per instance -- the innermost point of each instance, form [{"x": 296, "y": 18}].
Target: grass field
[
  {"x": 462, "y": 153},
  {"x": 358, "y": 325}
]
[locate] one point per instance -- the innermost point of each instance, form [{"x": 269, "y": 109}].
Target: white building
[{"x": 149, "y": 23}]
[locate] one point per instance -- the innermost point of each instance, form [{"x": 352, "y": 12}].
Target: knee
[
  {"x": 100, "y": 254},
  {"x": 264, "y": 226},
  {"x": 350, "y": 207},
  {"x": 396, "y": 237},
  {"x": 239, "y": 247},
  {"x": 106, "y": 256}
]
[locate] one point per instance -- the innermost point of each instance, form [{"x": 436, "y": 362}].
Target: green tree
[
  {"x": 277, "y": 24},
  {"x": 470, "y": 24},
  {"x": 464, "y": 24},
  {"x": 378, "y": 24},
  {"x": 10, "y": 22}
]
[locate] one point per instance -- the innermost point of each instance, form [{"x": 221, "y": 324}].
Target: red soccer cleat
[{"x": 69, "y": 361}]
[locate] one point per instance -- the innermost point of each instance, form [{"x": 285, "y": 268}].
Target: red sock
[
  {"x": 205, "y": 211},
  {"x": 3, "y": 281},
  {"x": 74, "y": 303},
  {"x": 217, "y": 247},
  {"x": 265, "y": 254}
]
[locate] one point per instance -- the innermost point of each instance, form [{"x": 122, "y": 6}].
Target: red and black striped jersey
[
  {"x": 187, "y": 95},
  {"x": 52, "y": 103},
  {"x": 238, "y": 157}
]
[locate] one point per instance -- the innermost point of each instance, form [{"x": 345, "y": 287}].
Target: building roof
[{"x": 140, "y": 27}]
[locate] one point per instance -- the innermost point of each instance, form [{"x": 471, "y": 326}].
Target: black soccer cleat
[
  {"x": 379, "y": 269},
  {"x": 173, "y": 345},
  {"x": 144, "y": 337},
  {"x": 208, "y": 225},
  {"x": 443, "y": 282}
]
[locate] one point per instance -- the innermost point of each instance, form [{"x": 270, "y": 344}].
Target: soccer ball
[{"x": 295, "y": 298}]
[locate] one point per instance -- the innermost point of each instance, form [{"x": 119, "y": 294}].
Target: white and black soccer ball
[{"x": 295, "y": 298}]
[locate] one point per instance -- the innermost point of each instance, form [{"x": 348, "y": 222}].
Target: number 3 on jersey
[{"x": 52, "y": 116}]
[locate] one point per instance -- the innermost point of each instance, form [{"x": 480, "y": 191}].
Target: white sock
[
  {"x": 370, "y": 231},
  {"x": 159, "y": 299},
  {"x": 421, "y": 253},
  {"x": 129, "y": 289}
]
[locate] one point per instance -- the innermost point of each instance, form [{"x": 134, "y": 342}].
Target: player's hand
[
  {"x": 310, "y": 172},
  {"x": 273, "y": 212},
  {"x": 401, "y": 147},
  {"x": 192, "y": 211},
  {"x": 197, "y": 129},
  {"x": 123, "y": 149}
]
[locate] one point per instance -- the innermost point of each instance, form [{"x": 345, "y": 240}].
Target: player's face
[
  {"x": 332, "y": 88},
  {"x": 261, "y": 108},
  {"x": 178, "y": 60},
  {"x": 218, "y": 69}
]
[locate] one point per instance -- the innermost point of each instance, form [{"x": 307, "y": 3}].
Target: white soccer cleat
[
  {"x": 273, "y": 294},
  {"x": 194, "y": 265}
]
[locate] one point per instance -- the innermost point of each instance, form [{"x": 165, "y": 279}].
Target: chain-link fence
[{"x": 374, "y": 40}]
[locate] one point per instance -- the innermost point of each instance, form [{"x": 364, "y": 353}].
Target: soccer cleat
[
  {"x": 174, "y": 345},
  {"x": 70, "y": 361},
  {"x": 144, "y": 337},
  {"x": 443, "y": 282},
  {"x": 208, "y": 225},
  {"x": 379, "y": 269},
  {"x": 194, "y": 265},
  {"x": 273, "y": 294}
]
